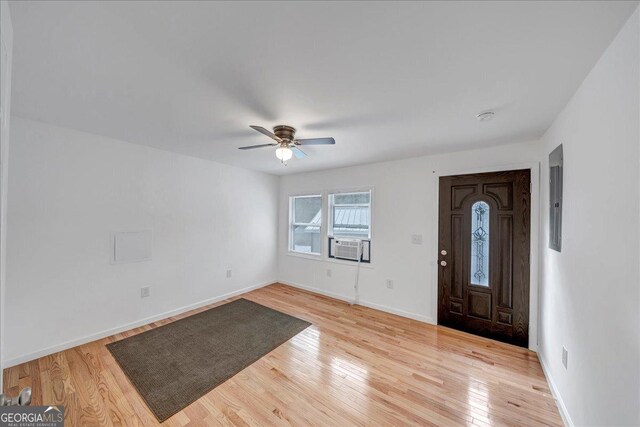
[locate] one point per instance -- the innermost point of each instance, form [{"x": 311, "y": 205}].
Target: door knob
[
  {"x": 443, "y": 252},
  {"x": 443, "y": 263}
]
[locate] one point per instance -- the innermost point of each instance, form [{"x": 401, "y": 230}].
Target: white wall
[
  {"x": 6, "y": 40},
  {"x": 590, "y": 292},
  {"x": 404, "y": 203},
  {"x": 69, "y": 190}
]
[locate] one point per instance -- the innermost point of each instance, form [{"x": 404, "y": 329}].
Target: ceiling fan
[{"x": 287, "y": 145}]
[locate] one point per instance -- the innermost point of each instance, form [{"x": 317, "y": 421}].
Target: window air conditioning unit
[{"x": 347, "y": 249}]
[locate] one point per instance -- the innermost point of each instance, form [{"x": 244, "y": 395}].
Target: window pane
[
  {"x": 306, "y": 209},
  {"x": 351, "y": 221},
  {"x": 480, "y": 244},
  {"x": 352, "y": 199},
  {"x": 306, "y": 238},
  {"x": 350, "y": 214}
]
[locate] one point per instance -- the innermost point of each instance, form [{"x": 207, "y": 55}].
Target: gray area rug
[{"x": 174, "y": 365}]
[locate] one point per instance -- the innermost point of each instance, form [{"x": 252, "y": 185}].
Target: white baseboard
[
  {"x": 387, "y": 309},
  {"x": 566, "y": 418},
  {"x": 99, "y": 335}
]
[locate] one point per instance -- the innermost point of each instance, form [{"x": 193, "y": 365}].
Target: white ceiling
[{"x": 387, "y": 80}]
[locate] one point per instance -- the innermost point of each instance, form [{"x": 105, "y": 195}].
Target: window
[
  {"x": 480, "y": 244},
  {"x": 305, "y": 222},
  {"x": 350, "y": 215}
]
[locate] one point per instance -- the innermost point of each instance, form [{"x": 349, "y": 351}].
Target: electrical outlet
[
  {"x": 329, "y": 272},
  {"x": 565, "y": 356},
  {"x": 416, "y": 239},
  {"x": 145, "y": 292},
  {"x": 389, "y": 283},
  {"x": 229, "y": 273}
]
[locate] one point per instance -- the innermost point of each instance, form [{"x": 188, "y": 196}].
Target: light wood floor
[{"x": 353, "y": 366}]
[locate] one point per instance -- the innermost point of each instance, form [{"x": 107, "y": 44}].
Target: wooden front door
[{"x": 483, "y": 254}]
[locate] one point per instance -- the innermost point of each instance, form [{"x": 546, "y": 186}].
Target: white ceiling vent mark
[{"x": 485, "y": 116}]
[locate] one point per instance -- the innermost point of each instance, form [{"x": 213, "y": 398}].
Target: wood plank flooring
[{"x": 353, "y": 366}]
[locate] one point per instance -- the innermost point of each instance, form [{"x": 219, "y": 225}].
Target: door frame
[
  {"x": 6, "y": 38},
  {"x": 534, "y": 248}
]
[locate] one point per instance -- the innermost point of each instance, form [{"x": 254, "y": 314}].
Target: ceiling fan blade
[
  {"x": 298, "y": 152},
  {"x": 250, "y": 147},
  {"x": 315, "y": 141},
  {"x": 265, "y": 132}
]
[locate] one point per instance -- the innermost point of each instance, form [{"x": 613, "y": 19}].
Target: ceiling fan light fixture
[
  {"x": 285, "y": 140},
  {"x": 283, "y": 153}
]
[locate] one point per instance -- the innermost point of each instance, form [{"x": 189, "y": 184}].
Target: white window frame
[
  {"x": 331, "y": 206},
  {"x": 293, "y": 224}
]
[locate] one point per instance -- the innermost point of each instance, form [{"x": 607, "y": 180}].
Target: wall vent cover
[{"x": 131, "y": 246}]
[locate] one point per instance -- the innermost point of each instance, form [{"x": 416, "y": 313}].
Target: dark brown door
[{"x": 483, "y": 257}]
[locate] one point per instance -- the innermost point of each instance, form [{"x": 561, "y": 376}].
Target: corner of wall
[
  {"x": 564, "y": 413},
  {"x": 6, "y": 39}
]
